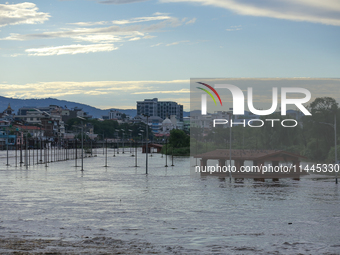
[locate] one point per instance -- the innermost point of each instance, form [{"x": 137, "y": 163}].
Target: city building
[
  {"x": 7, "y": 114},
  {"x": 50, "y": 118},
  {"x": 32, "y": 116},
  {"x": 162, "y": 109},
  {"x": 34, "y": 131},
  {"x": 186, "y": 124},
  {"x": 115, "y": 115},
  {"x": 154, "y": 122},
  {"x": 73, "y": 113},
  {"x": 167, "y": 126},
  {"x": 6, "y": 139},
  {"x": 4, "y": 124}
]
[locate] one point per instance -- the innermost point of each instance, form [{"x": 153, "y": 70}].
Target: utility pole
[
  {"x": 82, "y": 143},
  {"x": 147, "y": 143},
  {"x": 7, "y": 147},
  {"x": 230, "y": 117}
]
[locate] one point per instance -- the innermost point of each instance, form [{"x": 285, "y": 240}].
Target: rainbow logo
[{"x": 209, "y": 93}]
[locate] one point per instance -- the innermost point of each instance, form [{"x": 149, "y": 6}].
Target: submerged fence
[{"x": 35, "y": 151}]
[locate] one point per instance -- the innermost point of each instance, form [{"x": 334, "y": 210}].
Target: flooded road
[{"x": 171, "y": 210}]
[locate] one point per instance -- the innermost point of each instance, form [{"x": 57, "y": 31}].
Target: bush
[{"x": 182, "y": 151}]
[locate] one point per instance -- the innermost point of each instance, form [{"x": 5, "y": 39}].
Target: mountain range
[{"x": 95, "y": 112}]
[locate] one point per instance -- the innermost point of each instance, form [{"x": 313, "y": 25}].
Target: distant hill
[{"x": 95, "y": 112}]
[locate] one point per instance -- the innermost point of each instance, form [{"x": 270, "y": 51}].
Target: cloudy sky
[{"x": 111, "y": 53}]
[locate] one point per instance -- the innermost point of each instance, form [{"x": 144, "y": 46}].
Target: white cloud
[
  {"x": 119, "y": 1},
  {"x": 141, "y": 19},
  {"x": 181, "y": 91},
  {"x": 135, "y": 39},
  {"x": 16, "y": 55},
  {"x": 192, "y": 21},
  {"x": 54, "y": 89},
  {"x": 86, "y": 24},
  {"x": 70, "y": 49},
  {"x": 156, "y": 17},
  {"x": 98, "y": 38},
  {"x": 155, "y": 45},
  {"x": 149, "y": 36},
  {"x": 111, "y": 33},
  {"x": 160, "y": 13},
  {"x": 234, "y": 28},
  {"x": 175, "y": 43},
  {"x": 316, "y": 11},
  {"x": 95, "y": 93},
  {"x": 22, "y": 13},
  {"x": 99, "y": 34},
  {"x": 106, "y": 34}
]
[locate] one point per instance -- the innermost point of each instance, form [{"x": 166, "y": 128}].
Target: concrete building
[
  {"x": 35, "y": 132},
  {"x": 147, "y": 107},
  {"x": 201, "y": 121},
  {"x": 4, "y": 124},
  {"x": 32, "y": 116},
  {"x": 73, "y": 113},
  {"x": 5, "y": 139},
  {"x": 186, "y": 124},
  {"x": 115, "y": 115},
  {"x": 50, "y": 118},
  {"x": 154, "y": 122},
  {"x": 162, "y": 109}
]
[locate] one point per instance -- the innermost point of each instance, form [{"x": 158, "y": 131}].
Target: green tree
[
  {"x": 276, "y": 136},
  {"x": 109, "y": 127},
  {"x": 123, "y": 116},
  {"x": 178, "y": 138},
  {"x": 331, "y": 154},
  {"x": 318, "y": 130}
]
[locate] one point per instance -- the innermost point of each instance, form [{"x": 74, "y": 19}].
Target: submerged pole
[
  {"x": 82, "y": 147},
  {"x": 335, "y": 149},
  {"x": 136, "y": 154},
  {"x": 106, "y": 153},
  {"x": 7, "y": 148},
  {"x": 147, "y": 144},
  {"x": 166, "y": 152},
  {"x": 172, "y": 156}
]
